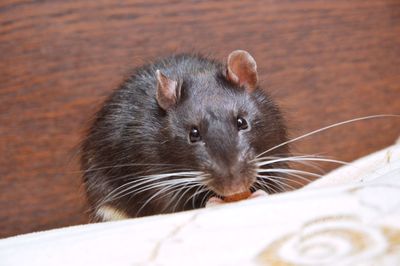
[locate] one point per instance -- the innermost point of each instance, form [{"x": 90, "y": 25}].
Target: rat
[{"x": 181, "y": 131}]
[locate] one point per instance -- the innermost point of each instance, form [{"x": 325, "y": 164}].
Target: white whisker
[
  {"x": 205, "y": 198},
  {"x": 307, "y": 180},
  {"x": 172, "y": 186},
  {"x": 287, "y": 171},
  {"x": 166, "y": 188},
  {"x": 186, "y": 186},
  {"x": 277, "y": 179},
  {"x": 125, "y": 165},
  {"x": 270, "y": 187},
  {"x": 195, "y": 194},
  {"x": 288, "y": 179},
  {"x": 327, "y": 127},
  {"x": 299, "y": 159},
  {"x": 173, "y": 198},
  {"x": 187, "y": 190},
  {"x": 114, "y": 194},
  {"x": 153, "y": 186}
]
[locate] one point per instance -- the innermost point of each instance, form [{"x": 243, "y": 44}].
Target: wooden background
[{"x": 324, "y": 61}]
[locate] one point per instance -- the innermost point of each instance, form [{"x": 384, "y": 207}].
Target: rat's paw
[{"x": 214, "y": 201}]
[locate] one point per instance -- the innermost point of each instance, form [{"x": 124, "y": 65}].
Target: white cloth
[{"x": 349, "y": 217}]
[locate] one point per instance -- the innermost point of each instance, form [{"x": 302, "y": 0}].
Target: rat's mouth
[
  {"x": 235, "y": 196},
  {"x": 223, "y": 191},
  {"x": 226, "y": 193},
  {"x": 218, "y": 200}
]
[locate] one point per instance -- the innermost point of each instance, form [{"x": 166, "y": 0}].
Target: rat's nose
[{"x": 229, "y": 179}]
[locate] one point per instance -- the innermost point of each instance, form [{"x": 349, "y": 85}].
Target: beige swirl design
[{"x": 339, "y": 240}]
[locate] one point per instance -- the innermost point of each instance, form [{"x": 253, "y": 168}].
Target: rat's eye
[
  {"x": 242, "y": 123},
  {"x": 194, "y": 134}
]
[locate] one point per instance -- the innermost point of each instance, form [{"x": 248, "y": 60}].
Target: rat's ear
[
  {"x": 168, "y": 91},
  {"x": 242, "y": 70}
]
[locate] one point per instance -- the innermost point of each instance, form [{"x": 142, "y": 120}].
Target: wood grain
[{"x": 324, "y": 61}]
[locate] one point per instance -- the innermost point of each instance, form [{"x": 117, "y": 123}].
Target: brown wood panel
[{"x": 325, "y": 61}]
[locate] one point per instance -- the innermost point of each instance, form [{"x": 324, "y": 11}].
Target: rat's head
[{"x": 218, "y": 120}]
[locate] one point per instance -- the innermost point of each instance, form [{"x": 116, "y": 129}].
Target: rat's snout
[
  {"x": 229, "y": 161},
  {"x": 232, "y": 178}
]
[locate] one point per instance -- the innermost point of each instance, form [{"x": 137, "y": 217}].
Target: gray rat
[{"x": 179, "y": 131}]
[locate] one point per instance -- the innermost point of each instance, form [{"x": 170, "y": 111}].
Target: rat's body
[{"x": 184, "y": 118}]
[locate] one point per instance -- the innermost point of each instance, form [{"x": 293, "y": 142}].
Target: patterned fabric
[{"x": 349, "y": 217}]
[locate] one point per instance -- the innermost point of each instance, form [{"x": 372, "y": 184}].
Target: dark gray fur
[{"x": 132, "y": 136}]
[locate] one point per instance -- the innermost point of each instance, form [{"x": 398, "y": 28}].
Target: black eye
[
  {"x": 194, "y": 134},
  {"x": 242, "y": 123}
]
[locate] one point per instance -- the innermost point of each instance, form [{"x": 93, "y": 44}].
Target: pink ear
[
  {"x": 167, "y": 91},
  {"x": 242, "y": 70}
]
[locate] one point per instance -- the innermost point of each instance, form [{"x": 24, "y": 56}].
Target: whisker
[
  {"x": 298, "y": 159},
  {"x": 144, "y": 180},
  {"x": 288, "y": 179},
  {"x": 122, "y": 165},
  {"x": 151, "y": 186},
  {"x": 287, "y": 171},
  {"x": 263, "y": 161},
  {"x": 194, "y": 195},
  {"x": 328, "y": 127},
  {"x": 286, "y": 155},
  {"x": 138, "y": 178},
  {"x": 165, "y": 189},
  {"x": 135, "y": 176},
  {"x": 277, "y": 185},
  {"x": 307, "y": 180},
  {"x": 311, "y": 164},
  {"x": 269, "y": 187},
  {"x": 278, "y": 181},
  {"x": 188, "y": 186},
  {"x": 205, "y": 198},
  {"x": 154, "y": 196},
  {"x": 172, "y": 199},
  {"x": 204, "y": 180}
]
